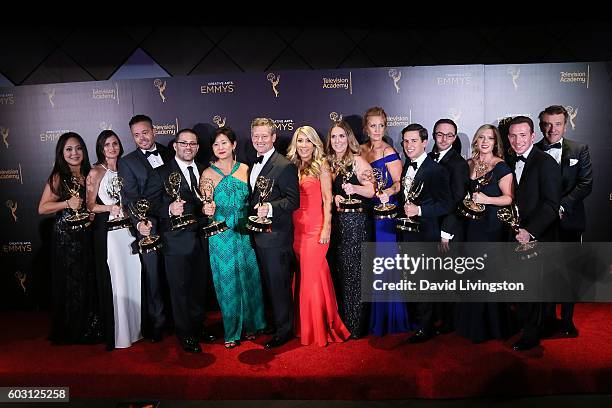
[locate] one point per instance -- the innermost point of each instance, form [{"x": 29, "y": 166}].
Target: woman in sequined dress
[
  {"x": 349, "y": 229},
  {"x": 75, "y": 317}
]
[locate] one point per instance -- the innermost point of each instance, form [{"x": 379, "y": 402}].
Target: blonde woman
[
  {"x": 488, "y": 170},
  {"x": 385, "y": 317},
  {"x": 349, "y": 229},
  {"x": 316, "y": 318}
]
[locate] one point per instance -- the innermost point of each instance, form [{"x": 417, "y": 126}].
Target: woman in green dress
[{"x": 232, "y": 258}]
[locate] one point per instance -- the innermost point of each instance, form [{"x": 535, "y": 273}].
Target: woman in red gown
[{"x": 316, "y": 316}]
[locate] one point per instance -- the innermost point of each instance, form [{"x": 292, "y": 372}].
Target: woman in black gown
[
  {"x": 350, "y": 229},
  {"x": 482, "y": 321},
  {"x": 75, "y": 316}
]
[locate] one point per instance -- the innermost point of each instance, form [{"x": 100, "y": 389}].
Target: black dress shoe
[
  {"x": 190, "y": 345},
  {"x": 420, "y": 336},
  {"x": 206, "y": 337},
  {"x": 445, "y": 329},
  {"x": 569, "y": 331},
  {"x": 525, "y": 344},
  {"x": 156, "y": 336},
  {"x": 268, "y": 330},
  {"x": 276, "y": 341}
]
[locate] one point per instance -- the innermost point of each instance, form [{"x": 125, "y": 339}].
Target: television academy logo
[
  {"x": 218, "y": 121},
  {"x": 515, "y": 73},
  {"x": 161, "y": 87},
  {"x": 12, "y": 206},
  {"x": 274, "y": 80},
  {"x": 50, "y": 92},
  {"x": 396, "y": 76}
]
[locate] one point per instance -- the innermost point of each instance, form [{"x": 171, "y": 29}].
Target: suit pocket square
[{"x": 573, "y": 162}]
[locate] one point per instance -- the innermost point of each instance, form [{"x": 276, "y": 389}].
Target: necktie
[
  {"x": 436, "y": 156},
  {"x": 413, "y": 164},
  {"x": 521, "y": 158},
  {"x": 552, "y": 146},
  {"x": 154, "y": 152},
  {"x": 259, "y": 159},
  {"x": 192, "y": 178}
]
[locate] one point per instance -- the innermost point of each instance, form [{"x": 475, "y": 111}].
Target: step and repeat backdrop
[{"x": 33, "y": 117}]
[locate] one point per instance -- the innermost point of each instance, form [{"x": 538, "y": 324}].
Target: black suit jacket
[
  {"x": 435, "y": 200},
  {"x": 284, "y": 198},
  {"x": 459, "y": 176},
  {"x": 184, "y": 241},
  {"x": 538, "y": 195},
  {"x": 576, "y": 182},
  {"x": 136, "y": 170}
]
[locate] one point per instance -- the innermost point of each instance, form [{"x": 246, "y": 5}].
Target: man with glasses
[
  {"x": 185, "y": 253},
  {"x": 446, "y": 154}
]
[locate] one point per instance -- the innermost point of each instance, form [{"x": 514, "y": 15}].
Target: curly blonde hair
[{"x": 316, "y": 165}]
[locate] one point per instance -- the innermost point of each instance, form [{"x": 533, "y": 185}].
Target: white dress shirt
[{"x": 520, "y": 165}]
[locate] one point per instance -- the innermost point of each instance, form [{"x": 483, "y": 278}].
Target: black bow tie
[
  {"x": 436, "y": 156},
  {"x": 413, "y": 164},
  {"x": 552, "y": 146},
  {"x": 259, "y": 159},
  {"x": 154, "y": 152},
  {"x": 521, "y": 158}
]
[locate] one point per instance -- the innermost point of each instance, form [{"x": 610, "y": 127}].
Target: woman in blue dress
[{"x": 385, "y": 317}]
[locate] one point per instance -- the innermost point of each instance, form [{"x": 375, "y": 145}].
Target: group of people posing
[{"x": 103, "y": 273}]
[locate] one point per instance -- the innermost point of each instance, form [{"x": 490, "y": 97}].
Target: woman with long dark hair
[
  {"x": 75, "y": 307},
  {"x": 117, "y": 267}
]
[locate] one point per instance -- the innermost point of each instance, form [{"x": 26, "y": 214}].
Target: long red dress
[{"x": 316, "y": 311}]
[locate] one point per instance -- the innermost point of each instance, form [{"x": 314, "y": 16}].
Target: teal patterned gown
[{"x": 232, "y": 260}]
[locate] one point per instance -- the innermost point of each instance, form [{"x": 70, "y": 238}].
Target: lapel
[
  {"x": 143, "y": 159},
  {"x": 269, "y": 164},
  {"x": 565, "y": 153},
  {"x": 447, "y": 156},
  {"x": 184, "y": 190},
  {"x": 423, "y": 168}
]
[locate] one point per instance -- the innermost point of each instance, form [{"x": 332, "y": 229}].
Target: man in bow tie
[
  {"x": 432, "y": 204},
  {"x": 537, "y": 191},
  {"x": 275, "y": 249},
  {"x": 136, "y": 168},
  {"x": 576, "y": 184}
]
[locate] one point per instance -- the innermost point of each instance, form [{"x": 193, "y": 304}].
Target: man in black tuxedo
[
  {"x": 576, "y": 185},
  {"x": 185, "y": 252},
  {"x": 135, "y": 169},
  {"x": 537, "y": 192},
  {"x": 433, "y": 203},
  {"x": 452, "y": 228},
  {"x": 275, "y": 249}
]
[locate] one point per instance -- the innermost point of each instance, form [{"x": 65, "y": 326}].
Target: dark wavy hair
[
  {"x": 105, "y": 134},
  {"x": 61, "y": 168}
]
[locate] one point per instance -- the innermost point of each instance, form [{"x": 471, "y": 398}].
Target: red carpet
[{"x": 370, "y": 368}]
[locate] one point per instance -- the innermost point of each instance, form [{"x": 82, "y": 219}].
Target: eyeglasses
[
  {"x": 182, "y": 143},
  {"x": 440, "y": 135}
]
